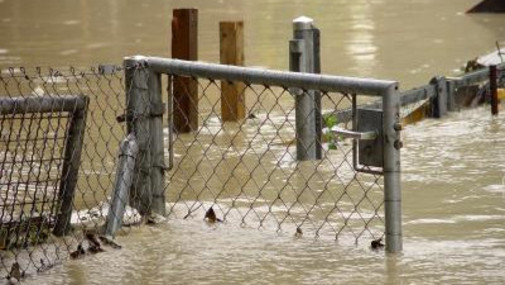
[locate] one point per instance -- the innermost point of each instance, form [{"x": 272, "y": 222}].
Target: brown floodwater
[{"x": 453, "y": 169}]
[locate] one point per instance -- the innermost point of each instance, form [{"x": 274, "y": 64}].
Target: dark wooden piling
[
  {"x": 231, "y": 36},
  {"x": 494, "y": 89},
  {"x": 185, "y": 89}
]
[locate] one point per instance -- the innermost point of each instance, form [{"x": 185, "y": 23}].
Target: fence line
[
  {"x": 246, "y": 170},
  {"x": 411, "y": 100},
  {"x": 272, "y": 92},
  {"x": 41, "y": 130}
]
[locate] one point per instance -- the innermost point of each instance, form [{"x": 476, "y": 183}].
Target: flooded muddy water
[{"x": 453, "y": 168}]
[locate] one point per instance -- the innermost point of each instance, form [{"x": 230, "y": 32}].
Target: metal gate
[{"x": 297, "y": 154}]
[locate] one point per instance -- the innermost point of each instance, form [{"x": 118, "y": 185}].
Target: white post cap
[{"x": 303, "y": 23}]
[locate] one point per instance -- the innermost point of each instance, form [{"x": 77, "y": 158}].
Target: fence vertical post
[
  {"x": 185, "y": 46},
  {"x": 451, "y": 96},
  {"x": 138, "y": 109},
  {"x": 157, "y": 152},
  {"x": 304, "y": 57},
  {"x": 493, "y": 87},
  {"x": 392, "y": 169},
  {"x": 124, "y": 177},
  {"x": 70, "y": 171},
  {"x": 231, "y": 36},
  {"x": 170, "y": 121},
  {"x": 439, "y": 102}
]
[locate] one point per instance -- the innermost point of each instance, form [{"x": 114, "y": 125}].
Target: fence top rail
[
  {"x": 249, "y": 75},
  {"x": 44, "y": 104}
]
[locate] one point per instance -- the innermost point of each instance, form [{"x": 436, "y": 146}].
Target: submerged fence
[
  {"x": 58, "y": 146},
  {"x": 250, "y": 169},
  {"x": 83, "y": 152},
  {"x": 247, "y": 169}
]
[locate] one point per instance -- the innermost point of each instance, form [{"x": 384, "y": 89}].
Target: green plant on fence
[{"x": 330, "y": 121}]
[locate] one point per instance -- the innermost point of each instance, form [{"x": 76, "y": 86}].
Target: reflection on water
[
  {"x": 361, "y": 45},
  {"x": 453, "y": 177}
]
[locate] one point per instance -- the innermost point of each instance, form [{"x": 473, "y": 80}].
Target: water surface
[{"x": 453, "y": 169}]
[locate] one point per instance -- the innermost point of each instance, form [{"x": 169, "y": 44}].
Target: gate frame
[
  {"x": 149, "y": 87},
  {"x": 77, "y": 106}
]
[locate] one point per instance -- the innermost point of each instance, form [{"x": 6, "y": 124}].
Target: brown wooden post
[
  {"x": 185, "y": 89},
  {"x": 231, "y": 35},
  {"x": 494, "y": 89}
]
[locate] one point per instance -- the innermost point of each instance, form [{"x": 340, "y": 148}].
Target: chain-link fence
[
  {"x": 249, "y": 173},
  {"x": 241, "y": 169},
  {"x": 446, "y": 94},
  {"x": 246, "y": 168},
  {"x": 37, "y": 151}
]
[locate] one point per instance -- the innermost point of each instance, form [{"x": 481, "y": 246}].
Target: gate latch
[
  {"x": 368, "y": 140},
  {"x": 365, "y": 136}
]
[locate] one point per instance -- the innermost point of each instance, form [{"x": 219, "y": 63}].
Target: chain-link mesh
[
  {"x": 248, "y": 171},
  {"x": 32, "y": 156}
]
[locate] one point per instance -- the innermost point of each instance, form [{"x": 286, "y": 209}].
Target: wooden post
[
  {"x": 185, "y": 89},
  {"x": 231, "y": 35},
  {"x": 70, "y": 172},
  {"x": 494, "y": 89}
]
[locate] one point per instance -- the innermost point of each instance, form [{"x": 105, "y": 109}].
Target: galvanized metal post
[
  {"x": 392, "y": 185},
  {"x": 70, "y": 171},
  {"x": 439, "y": 102},
  {"x": 451, "y": 96},
  {"x": 157, "y": 152},
  {"x": 170, "y": 122},
  {"x": 138, "y": 121},
  {"x": 304, "y": 57},
  {"x": 128, "y": 151}
]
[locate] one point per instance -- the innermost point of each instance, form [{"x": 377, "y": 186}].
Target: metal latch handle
[{"x": 371, "y": 135}]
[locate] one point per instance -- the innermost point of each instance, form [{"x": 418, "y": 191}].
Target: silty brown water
[{"x": 453, "y": 181}]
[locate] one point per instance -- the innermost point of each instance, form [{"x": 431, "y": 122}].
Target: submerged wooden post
[
  {"x": 304, "y": 57},
  {"x": 70, "y": 171},
  {"x": 231, "y": 35},
  {"x": 493, "y": 87},
  {"x": 185, "y": 89}
]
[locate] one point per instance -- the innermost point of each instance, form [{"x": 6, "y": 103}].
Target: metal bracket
[
  {"x": 157, "y": 110},
  {"x": 368, "y": 145},
  {"x": 108, "y": 69}
]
